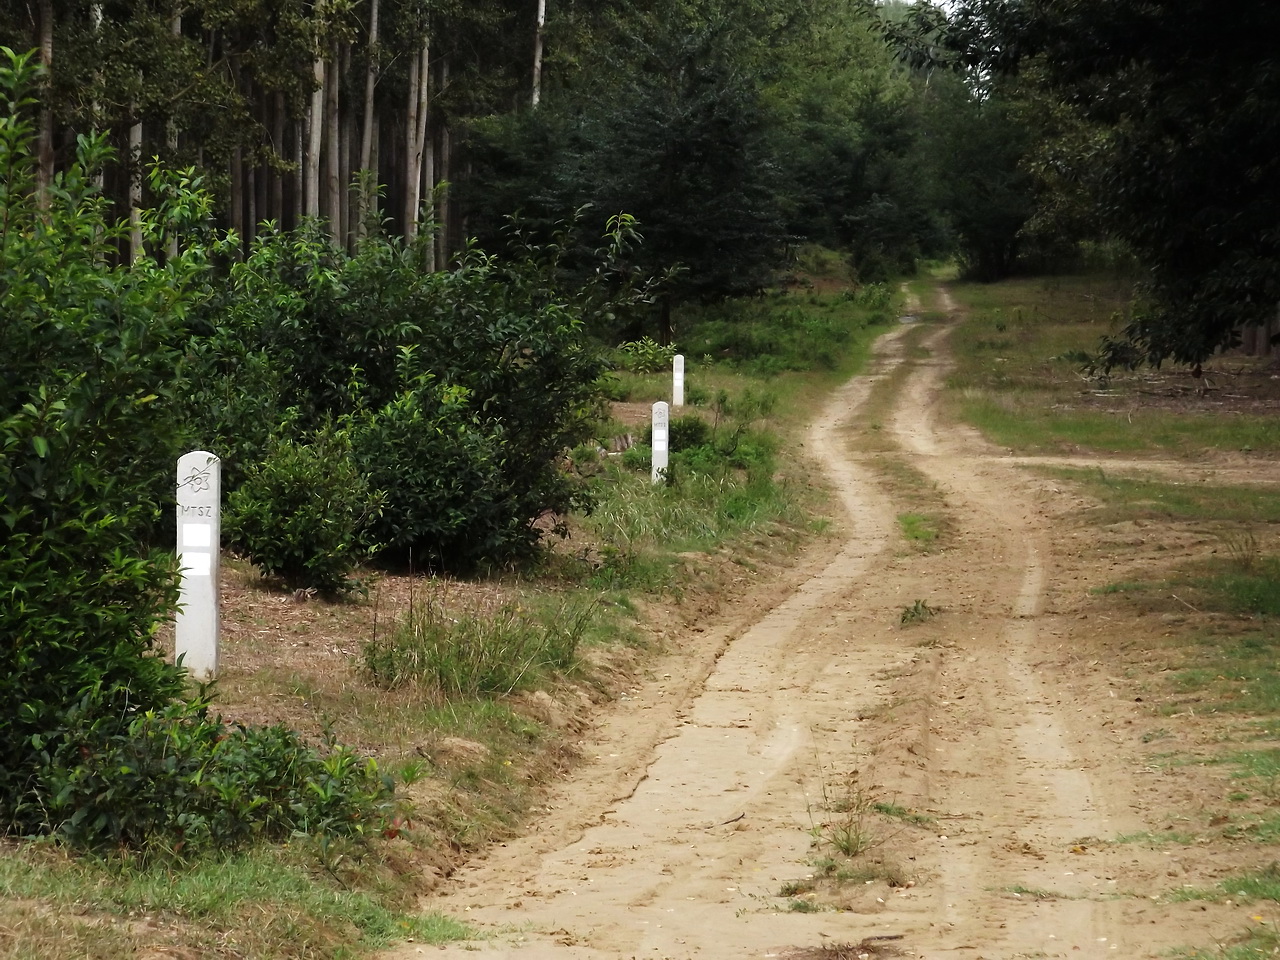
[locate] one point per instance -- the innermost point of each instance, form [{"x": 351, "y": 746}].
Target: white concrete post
[
  {"x": 661, "y": 445},
  {"x": 677, "y": 388},
  {"x": 199, "y": 529}
]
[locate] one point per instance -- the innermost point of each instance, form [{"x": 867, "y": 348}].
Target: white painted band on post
[
  {"x": 661, "y": 419},
  {"x": 196, "y": 626},
  {"x": 677, "y": 386}
]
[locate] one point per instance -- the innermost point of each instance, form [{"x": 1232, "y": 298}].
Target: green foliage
[
  {"x": 300, "y": 514},
  {"x": 480, "y": 653},
  {"x": 87, "y": 353},
  {"x": 687, "y": 432},
  {"x": 917, "y": 612},
  {"x": 459, "y": 390},
  {"x": 646, "y": 355},
  {"x": 768, "y": 337},
  {"x": 175, "y": 781},
  {"x": 1179, "y": 105}
]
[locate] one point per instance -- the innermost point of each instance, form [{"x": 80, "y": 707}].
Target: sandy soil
[{"x": 1006, "y": 724}]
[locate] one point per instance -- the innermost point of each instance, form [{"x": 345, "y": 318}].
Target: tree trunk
[
  {"x": 315, "y": 133},
  {"x": 333, "y": 162},
  {"x": 277, "y": 144},
  {"x": 420, "y": 133},
  {"x": 443, "y": 207},
  {"x": 299, "y": 157},
  {"x": 135, "y": 188},
  {"x": 44, "y": 138},
  {"x": 366, "y": 197},
  {"x": 538, "y": 32},
  {"x": 347, "y": 120},
  {"x": 429, "y": 184},
  {"x": 412, "y": 172}
]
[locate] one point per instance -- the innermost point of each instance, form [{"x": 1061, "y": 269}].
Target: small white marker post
[
  {"x": 677, "y": 388},
  {"x": 661, "y": 418},
  {"x": 199, "y": 529}
]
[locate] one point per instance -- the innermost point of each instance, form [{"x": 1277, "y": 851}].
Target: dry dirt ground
[{"x": 1005, "y": 736}]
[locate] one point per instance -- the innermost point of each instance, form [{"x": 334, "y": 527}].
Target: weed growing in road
[
  {"x": 918, "y": 612},
  {"x": 920, "y": 529},
  {"x": 903, "y": 814},
  {"x": 1018, "y": 890}
]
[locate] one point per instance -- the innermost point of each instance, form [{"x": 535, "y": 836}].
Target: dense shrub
[
  {"x": 463, "y": 387},
  {"x": 301, "y": 513},
  {"x": 176, "y": 781},
  {"x": 87, "y": 447}
]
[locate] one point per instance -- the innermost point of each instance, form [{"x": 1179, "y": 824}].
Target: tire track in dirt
[
  {"x": 681, "y": 864},
  {"x": 1024, "y": 873},
  {"x": 710, "y": 781}
]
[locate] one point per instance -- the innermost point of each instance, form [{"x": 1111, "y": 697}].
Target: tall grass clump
[{"x": 478, "y": 653}]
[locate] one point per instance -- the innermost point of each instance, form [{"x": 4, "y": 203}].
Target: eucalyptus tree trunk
[
  {"x": 135, "y": 188},
  {"x": 415, "y": 134},
  {"x": 444, "y": 218},
  {"x": 298, "y": 206},
  {"x": 315, "y": 133},
  {"x": 333, "y": 163},
  {"x": 538, "y": 32},
  {"x": 44, "y": 137},
  {"x": 277, "y": 144},
  {"x": 171, "y": 140},
  {"x": 367, "y": 198},
  {"x": 347, "y": 120}
]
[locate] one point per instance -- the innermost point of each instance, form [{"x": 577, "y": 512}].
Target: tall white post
[
  {"x": 677, "y": 388},
  {"x": 199, "y": 530},
  {"x": 661, "y": 445}
]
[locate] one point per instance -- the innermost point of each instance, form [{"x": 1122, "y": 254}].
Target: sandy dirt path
[{"x": 712, "y": 784}]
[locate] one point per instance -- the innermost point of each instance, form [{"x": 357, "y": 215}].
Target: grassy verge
[
  {"x": 470, "y": 694},
  {"x": 270, "y": 902},
  {"x": 1019, "y": 377}
]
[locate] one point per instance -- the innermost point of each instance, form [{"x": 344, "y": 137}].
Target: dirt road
[{"x": 985, "y": 754}]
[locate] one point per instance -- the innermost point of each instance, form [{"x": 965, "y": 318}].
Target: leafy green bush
[
  {"x": 478, "y": 653},
  {"x": 463, "y": 387},
  {"x": 88, "y": 348},
  {"x": 646, "y": 355},
  {"x": 687, "y": 432},
  {"x": 173, "y": 780},
  {"x": 300, "y": 514}
]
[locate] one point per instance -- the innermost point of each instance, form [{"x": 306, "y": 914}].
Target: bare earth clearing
[{"x": 1009, "y": 726}]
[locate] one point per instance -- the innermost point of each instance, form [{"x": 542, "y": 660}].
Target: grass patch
[
  {"x": 902, "y": 813},
  {"x": 478, "y": 652},
  {"x": 919, "y": 528},
  {"x": 1134, "y": 498},
  {"x": 268, "y": 902},
  {"x": 1158, "y": 838},
  {"x": 1019, "y": 377},
  {"x": 1257, "y": 943}
]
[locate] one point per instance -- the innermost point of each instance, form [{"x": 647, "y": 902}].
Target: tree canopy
[{"x": 1181, "y": 102}]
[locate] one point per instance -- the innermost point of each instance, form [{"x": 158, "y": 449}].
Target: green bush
[
  {"x": 463, "y": 387},
  {"x": 175, "y": 781},
  {"x": 646, "y": 355},
  {"x": 300, "y": 514},
  {"x": 478, "y": 653},
  {"x": 88, "y": 348}
]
